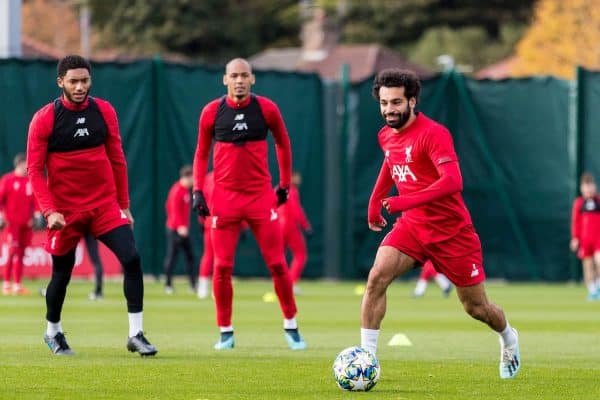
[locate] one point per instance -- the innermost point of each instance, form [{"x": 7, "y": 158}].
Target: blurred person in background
[
  {"x": 78, "y": 173},
  {"x": 18, "y": 210},
  {"x": 177, "y": 207},
  {"x": 205, "y": 269},
  {"x": 428, "y": 272},
  {"x": 585, "y": 233},
  {"x": 294, "y": 225},
  {"x": 239, "y": 123}
]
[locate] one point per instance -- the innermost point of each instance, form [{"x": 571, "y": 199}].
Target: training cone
[
  {"x": 269, "y": 297},
  {"x": 399, "y": 339},
  {"x": 359, "y": 290}
]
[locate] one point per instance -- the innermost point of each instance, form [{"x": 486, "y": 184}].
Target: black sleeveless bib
[
  {"x": 77, "y": 130},
  {"x": 240, "y": 125}
]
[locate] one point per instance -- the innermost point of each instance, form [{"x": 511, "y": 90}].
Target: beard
[
  {"x": 403, "y": 117},
  {"x": 71, "y": 99}
]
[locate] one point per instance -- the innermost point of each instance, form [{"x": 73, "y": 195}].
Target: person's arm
[
  {"x": 2, "y": 193},
  {"x": 576, "y": 224},
  {"x": 283, "y": 147},
  {"x": 382, "y": 187},
  {"x": 40, "y": 130},
  {"x": 2, "y": 201},
  {"x": 200, "y": 166},
  {"x": 449, "y": 182},
  {"x": 205, "y": 137},
  {"x": 114, "y": 151}
]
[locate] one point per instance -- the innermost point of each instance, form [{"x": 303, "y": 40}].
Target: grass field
[{"x": 452, "y": 356}]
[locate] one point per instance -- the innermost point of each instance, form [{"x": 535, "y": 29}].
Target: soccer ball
[{"x": 356, "y": 369}]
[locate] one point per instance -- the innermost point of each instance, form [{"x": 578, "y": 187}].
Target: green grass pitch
[{"x": 452, "y": 356}]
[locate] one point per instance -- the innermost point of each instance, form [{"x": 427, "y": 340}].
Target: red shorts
[
  {"x": 97, "y": 222},
  {"x": 588, "y": 246},
  {"x": 459, "y": 258},
  {"x": 232, "y": 207},
  {"x": 19, "y": 235}
]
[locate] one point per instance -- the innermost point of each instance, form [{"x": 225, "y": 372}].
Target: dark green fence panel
[{"x": 25, "y": 87}]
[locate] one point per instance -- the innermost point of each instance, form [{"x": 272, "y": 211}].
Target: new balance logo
[
  {"x": 273, "y": 215},
  {"x": 239, "y": 117},
  {"x": 81, "y": 132},
  {"x": 213, "y": 225},
  {"x": 240, "y": 126},
  {"x": 80, "y": 121},
  {"x": 402, "y": 172},
  {"x": 475, "y": 271}
]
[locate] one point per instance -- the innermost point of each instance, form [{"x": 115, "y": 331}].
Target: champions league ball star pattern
[{"x": 356, "y": 369}]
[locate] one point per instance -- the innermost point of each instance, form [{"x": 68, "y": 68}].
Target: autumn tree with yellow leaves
[{"x": 562, "y": 36}]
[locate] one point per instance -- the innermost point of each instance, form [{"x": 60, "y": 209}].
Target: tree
[
  {"x": 474, "y": 32},
  {"x": 563, "y": 34},
  {"x": 53, "y": 13},
  {"x": 208, "y": 30}
]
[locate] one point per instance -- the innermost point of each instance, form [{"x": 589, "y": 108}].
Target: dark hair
[
  {"x": 19, "y": 158},
  {"x": 72, "y": 61},
  {"x": 396, "y": 77},
  {"x": 185, "y": 171},
  {"x": 587, "y": 177}
]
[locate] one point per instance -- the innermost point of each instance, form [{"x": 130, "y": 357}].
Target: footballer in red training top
[
  {"x": 79, "y": 176},
  {"x": 419, "y": 159},
  {"x": 239, "y": 123}
]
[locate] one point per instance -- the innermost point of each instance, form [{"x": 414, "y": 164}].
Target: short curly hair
[
  {"x": 72, "y": 61},
  {"x": 396, "y": 77}
]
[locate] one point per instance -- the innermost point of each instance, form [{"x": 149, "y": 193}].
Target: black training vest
[
  {"x": 239, "y": 125},
  {"x": 77, "y": 130},
  {"x": 590, "y": 205}
]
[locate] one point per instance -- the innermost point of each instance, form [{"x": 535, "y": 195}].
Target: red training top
[
  {"x": 241, "y": 164},
  {"x": 178, "y": 206},
  {"x": 291, "y": 213},
  {"x": 16, "y": 199},
  {"x": 80, "y": 177},
  {"x": 585, "y": 218},
  {"x": 420, "y": 160}
]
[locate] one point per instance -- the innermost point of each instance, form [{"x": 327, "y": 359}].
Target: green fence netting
[{"x": 522, "y": 144}]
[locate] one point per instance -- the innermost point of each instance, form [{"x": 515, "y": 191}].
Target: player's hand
[
  {"x": 56, "y": 221},
  {"x": 574, "y": 245},
  {"x": 392, "y": 204},
  {"x": 199, "y": 204},
  {"x": 129, "y": 216},
  {"x": 308, "y": 232},
  {"x": 183, "y": 231},
  {"x": 282, "y": 194},
  {"x": 377, "y": 226},
  {"x": 2, "y": 222}
]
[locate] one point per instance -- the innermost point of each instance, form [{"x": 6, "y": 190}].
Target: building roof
[
  {"x": 364, "y": 61},
  {"x": 499, "y": 70},
  {"x": 32, "y": 48}
]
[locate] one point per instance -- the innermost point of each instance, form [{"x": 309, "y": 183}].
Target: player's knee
[
  {"x": 378, "y": 280},
  {"x": 476, "y": 310},
  {"x": 132, "y": 265},
  {"x": 278, "y": 268},
  {"x": 222, "y": 271}
]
